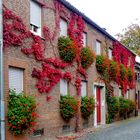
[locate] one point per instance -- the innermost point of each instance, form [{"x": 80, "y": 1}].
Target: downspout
[{"x": 2, "y": 102}]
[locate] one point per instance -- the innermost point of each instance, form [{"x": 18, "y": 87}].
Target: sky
[{"x": 113, "y": 15}]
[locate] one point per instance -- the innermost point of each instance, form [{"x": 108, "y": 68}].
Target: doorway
[
  {"x": 99, "y": 96},
  {"x": 98, "y": 104}
]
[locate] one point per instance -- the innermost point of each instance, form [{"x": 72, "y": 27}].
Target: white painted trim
[{"x": 103, "y": 104}]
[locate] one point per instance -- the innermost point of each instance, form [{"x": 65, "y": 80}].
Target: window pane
[
  {"x": 16, "y": 79},
  {"x": 110, "y": 54},
  {"x": 63, "y": 87},
  {"x": 35, "y": 14},
  {"x": 84, "y": 89},
  {"x": 84, "y": 39},
  {"x": 120, "y": 92},
  {"x": 98, "y": 48},
  {"x": 63, "y": 27}
]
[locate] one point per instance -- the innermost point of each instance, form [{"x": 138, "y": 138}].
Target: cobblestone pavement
[{"x": 124, "y": 130}]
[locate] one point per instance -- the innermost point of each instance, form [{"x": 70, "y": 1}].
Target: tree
[{"x": 131, "y": 38}]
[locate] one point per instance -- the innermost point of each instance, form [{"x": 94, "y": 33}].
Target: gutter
[{"x": 2, "y": 102}]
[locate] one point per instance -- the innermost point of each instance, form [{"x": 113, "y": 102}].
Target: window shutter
[
  {"x": 63, "y": 27},
  {"x": 16, "y": 79},
  {"x": 84, "y": 39},
  {"x": 63, "y": 87},
  {"x": 84, "y": 88},
  {"x": 35, "y": 14}
]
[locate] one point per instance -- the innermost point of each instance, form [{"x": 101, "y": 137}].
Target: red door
[{"x": 98, "y": 96}]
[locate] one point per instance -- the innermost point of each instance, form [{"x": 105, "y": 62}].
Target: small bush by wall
[
  {"x": 21, "y": 113},
  {"x": 87, "y": 106},
  {"x": 68, "y": 107}
]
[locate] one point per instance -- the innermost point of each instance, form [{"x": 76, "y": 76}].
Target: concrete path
[{"x": 123, "y": 130}]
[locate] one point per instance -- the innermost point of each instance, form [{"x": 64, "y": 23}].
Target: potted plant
[
  {"x": 68, "y": 107},
  {"x": 87, "y": 106},
  {"x": 67, "y": 49},
  {"x": 87, "y": 57},
  {"x": 21, "y": 112}
]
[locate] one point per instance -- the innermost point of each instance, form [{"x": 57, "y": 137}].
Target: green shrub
[
  {"x": 68, "y": 107},
  {"x": 114, "y": 69},
  {"x": 21, "y": 112},
  {"x": 123, "y": 72},
  {"x": 67, "y": 49},
  {"x": 124, "y": 106},
  {"x": 131, "y": 107},
  {"x": 87, "y": 106},
  {"x": 113, "y": 107},
  {"x": 130, "y": 74},
  {"x": 102, "y": 63},
  {"x": 87, "y": 57}
]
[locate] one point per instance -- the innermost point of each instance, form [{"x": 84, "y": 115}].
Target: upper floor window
[
  {"x": 98, "y": 47},
  {"x": 122, "y": 58},
  {"x": 84, "y": 89},
  {"x": 120, "y": 92},
  {"x": 84, "y": 39},
  {"x": 63, "y": 87},
  {"x": 127, "y": 94},
  {"x": 16, "y": 79},
  {"x": 129, "y": 61},
  {"x": 35, "y": 17},
  {"x": 63, "y": 27},
  {"x": 110, "y": 53}
]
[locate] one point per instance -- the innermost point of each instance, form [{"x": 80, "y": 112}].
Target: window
[
  {"x": 120, "y": 92},
  {"x": 63, "y": 87},
  {"x": 122, "y": 58},
  {"x": 110, "y": 53},
  {"x": 127, "y": 94},
  {"x": 138, "y": 76},
  {"x": 98, "y": 47},
  {"x": 84, "y": 88},
  {"x": 16, "y": 79},
  {"x": 63, "y": 27},
  {"x": 35, "y": 17},
  {"x": 129, "y": 61},
  {"x": 84, "y": 39}
]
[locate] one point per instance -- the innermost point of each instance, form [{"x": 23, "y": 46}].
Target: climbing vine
[{"x": 15, "y": 34}]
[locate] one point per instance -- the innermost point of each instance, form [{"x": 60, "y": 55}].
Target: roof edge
[{"x": 89, "y": 21}]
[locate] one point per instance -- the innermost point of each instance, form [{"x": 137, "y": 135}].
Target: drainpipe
[{"x": 2, "y": 102}]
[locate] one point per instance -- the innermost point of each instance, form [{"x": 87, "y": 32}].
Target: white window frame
[
  {"x": 129, "y": 61},
  {"x": 127, "y": 94},
  {"x": 63, "y": 27},
  {"x": 33, "y": 26},
  {"x": 120, "y": 92},
  {"x": 98, "y": 47},
  {"x": 110, "y": 53},
  {"x": 84, "y": 88},
  {"x": 84, "y": 39},
  {"x": 63, "y": 87},
  {"x": 16, "y": 79}
]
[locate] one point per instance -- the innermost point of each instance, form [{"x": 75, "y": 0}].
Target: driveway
[{"x": 123, "y": 130}]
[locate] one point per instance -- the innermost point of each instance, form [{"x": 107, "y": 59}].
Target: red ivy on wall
[
  {"x": 75, "y": 32},
  {"x": 124, "y": 56},
  {"x": 15, "y": 33}
]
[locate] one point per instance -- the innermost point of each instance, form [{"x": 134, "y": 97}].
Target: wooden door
[{"x": 98, "y": 96}]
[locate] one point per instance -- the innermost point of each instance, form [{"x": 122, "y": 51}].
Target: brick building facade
[{"x": 20, "y": 66}]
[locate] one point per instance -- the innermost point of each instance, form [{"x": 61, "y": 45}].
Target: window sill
[{"x": 37, "y": 35}]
